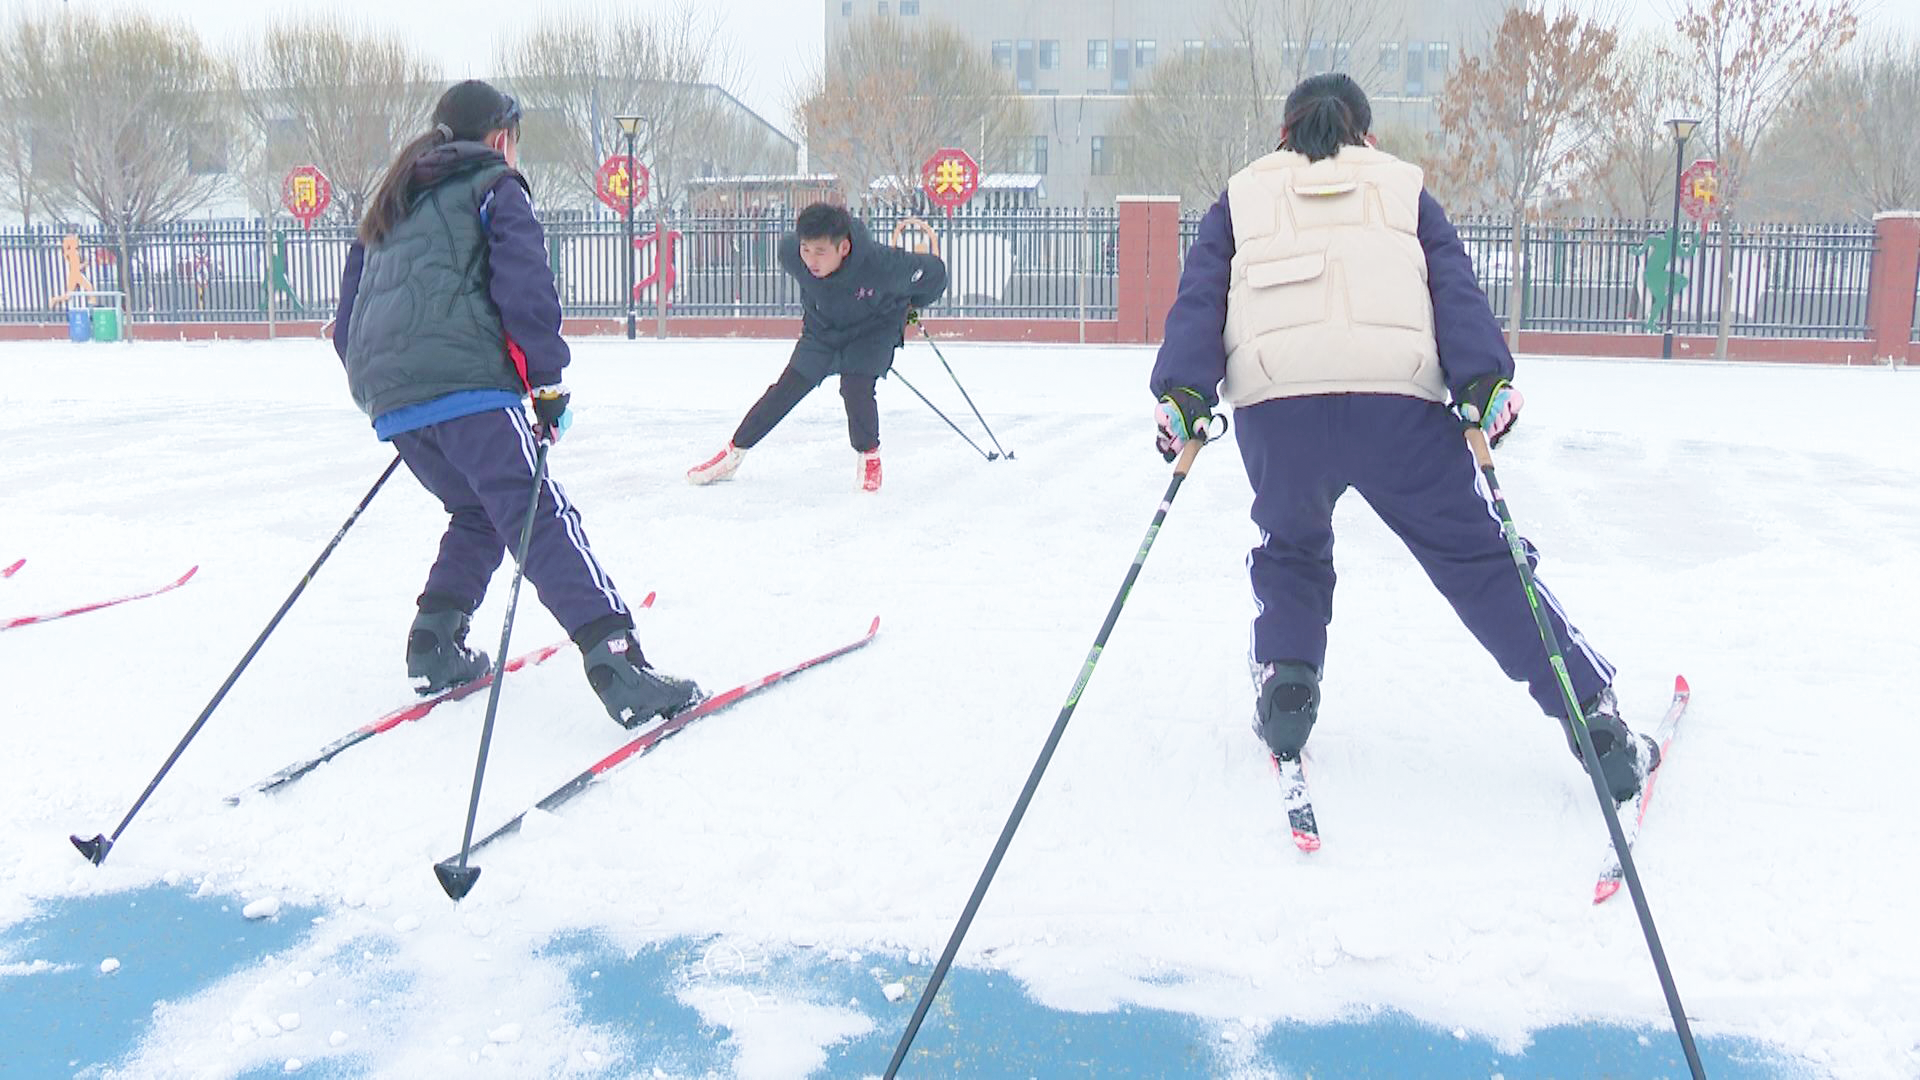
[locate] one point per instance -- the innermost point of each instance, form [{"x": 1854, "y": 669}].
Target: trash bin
[
  {"x": 106, "y": 324},
  {"x": 79, "y": 324}
]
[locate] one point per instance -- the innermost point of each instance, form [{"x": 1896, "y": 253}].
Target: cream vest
[{"x": 1328, "y": 292}]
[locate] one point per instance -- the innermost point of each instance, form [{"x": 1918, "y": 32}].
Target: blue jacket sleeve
[
  {"x": 1464, "y": 329},
  {"x": 522, "y": 283},
  {"x": 1193, "y": 352},
  {"x": 349, "y": 288}
]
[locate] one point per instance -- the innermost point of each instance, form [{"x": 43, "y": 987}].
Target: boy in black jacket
[{"x": 856, "y": 297}]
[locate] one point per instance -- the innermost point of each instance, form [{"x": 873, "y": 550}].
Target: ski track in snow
[{"x": 1755, "y": 528}]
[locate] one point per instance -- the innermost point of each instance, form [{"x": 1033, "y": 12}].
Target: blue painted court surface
[{"x": 63, "y": 1016}]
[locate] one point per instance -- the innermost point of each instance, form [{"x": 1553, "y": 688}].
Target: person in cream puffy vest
[{"x": 1330, "y": 301}]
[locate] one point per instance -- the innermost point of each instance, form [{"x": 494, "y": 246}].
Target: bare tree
[
  {"x": 1847, "y": 148},
  {"x": 343, "y": 95},
  {"x": 1752, "y": 57},
  {"x": 1204, "y": 114},
  {"x": 892, "y": 93},
  {"x": 25, "y": 88},
  {"x": 133, "y": 106},
  {"x": 576, "y": 74},
  {"x": 1199, "y": 120},
  {"x": 1521, "y": 118},
  {"x": 1630, "y": 168}
]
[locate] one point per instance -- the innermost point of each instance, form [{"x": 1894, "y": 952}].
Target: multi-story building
[{"x": 1077, "y": 62}]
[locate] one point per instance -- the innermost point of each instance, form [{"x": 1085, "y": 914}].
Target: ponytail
[
  {"x": 1325, "y": 113},
  {"x": 389, "y": 202}
]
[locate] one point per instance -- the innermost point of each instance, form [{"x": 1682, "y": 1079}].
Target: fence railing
[
  {"x": 1791, "y": 281},
  {"x": 1029, "y": 264},
  {"x": 1798, "y": 281}
]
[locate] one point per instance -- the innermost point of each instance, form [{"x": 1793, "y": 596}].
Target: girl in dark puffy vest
[{"x": 448, "y": 319}]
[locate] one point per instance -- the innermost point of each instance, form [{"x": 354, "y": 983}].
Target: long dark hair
[
  {"x": 468, "y": 112},
  {"x": 1325, "y": 113}
]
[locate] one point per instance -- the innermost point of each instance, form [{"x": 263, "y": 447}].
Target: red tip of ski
[
  {"x": 1680, "y": 687},
  {"x": 875, "y": 628},
  {"x": 1603, "y": 890},
  {"x": 11, "y": 570},
  {"x": 1306, "y": 841},
  {"x": 648, "y": 602}
]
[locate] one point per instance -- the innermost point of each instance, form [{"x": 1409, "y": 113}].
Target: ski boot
[
  {"x": 1289, "y": 702},
  {"x": 437, "y": 655},
  {"x": 633, "y": 692},
  {"x": 1626, "y": 758}
]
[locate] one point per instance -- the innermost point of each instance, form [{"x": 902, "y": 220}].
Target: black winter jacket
[{"x": 853, "y": 318}]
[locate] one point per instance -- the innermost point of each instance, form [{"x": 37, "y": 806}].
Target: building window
[
  {"x": 1097, "y": 55},
  {"x": 1416, "y": 68},
  {"x": 883, "y": 8},
  {"x": 1105, "y": 155},
  {"x": 1023, "y": 66},
  {"x": 1033, "y": 157},
  {"x": 846, "y": 9},
  {"x": 1437, "y": 56},
  {"x": 1002, "y": 56},
  {"x": 909, "y": 7},
  {"x": 1390, "y": 57},
  {"x": 1290, "y": 54},
  {"x": 1144, "y": 52},
  {"x": 1193, "y": 46},
  {"x": 1049, "y": 55},
  {"x": 1122, "y": 65},
  {"x": 1342, "y": 55},
  {"x": 1316, "y": 57}
]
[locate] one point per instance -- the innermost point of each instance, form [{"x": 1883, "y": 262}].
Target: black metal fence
[
  {"x": 1032, "y": 264},
  {"x": 1594, "y": 276}
]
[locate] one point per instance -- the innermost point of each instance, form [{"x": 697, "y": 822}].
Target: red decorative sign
[
  {"x": 949, "y": 177},
  {"x": 306, "y": 194},
  {"x": 621, "y": 182},
  {"x": 1700, "y": 190}
]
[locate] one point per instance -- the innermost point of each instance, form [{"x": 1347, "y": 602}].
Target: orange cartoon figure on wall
[{"x": 76, "y": 274}]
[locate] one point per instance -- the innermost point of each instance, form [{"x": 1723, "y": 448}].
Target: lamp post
[
  {"x": 1682, "y": 130},
  {"x": 630, "y": 126}
]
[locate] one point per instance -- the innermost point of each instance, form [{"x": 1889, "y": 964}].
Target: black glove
[
  {"x": 1490, "y": 403},
  {"x": 552, "y": 412},
  {"x": 1181, "y": 416}
]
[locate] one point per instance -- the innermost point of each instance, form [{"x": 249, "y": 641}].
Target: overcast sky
[{"x": 777, "y": 42}]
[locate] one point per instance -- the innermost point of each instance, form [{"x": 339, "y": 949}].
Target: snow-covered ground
[{"x": 1755, "y": 528}]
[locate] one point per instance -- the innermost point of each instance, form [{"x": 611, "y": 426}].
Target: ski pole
[
  {"x": 455, "y": 875},
  {"x": 96, "y": 848},
  {"x": 936, "y": 411},
  {"x": 1483, "y": 457},
  {"x": 963, "y": 390},
  {"x": 1180, "y": 469}
]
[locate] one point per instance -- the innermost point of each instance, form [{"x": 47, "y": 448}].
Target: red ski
[
  {"x": 645, "y": 743},
  {"x": 397, "y": 717},
  {"x": 14, "y": 569},
  {"x": 1611, "y": 875},
  {"x": 28, "y": 620}
]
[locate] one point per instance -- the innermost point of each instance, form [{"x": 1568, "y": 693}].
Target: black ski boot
[
  {"x": 1626, "y": 758},
  {"x": 633, "y": 692},
  {"x": 437, "y": 654},
  {"x": 1289, "y": 702}
]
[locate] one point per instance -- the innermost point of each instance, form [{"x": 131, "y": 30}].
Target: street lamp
[
  {"x": 1682, "y": 130},
  {"x": 630, "y": 126}
]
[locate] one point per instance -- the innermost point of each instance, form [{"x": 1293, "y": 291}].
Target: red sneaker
[
  {"x": 718, "y": 467},
  {"x": 869, "y": 474}
]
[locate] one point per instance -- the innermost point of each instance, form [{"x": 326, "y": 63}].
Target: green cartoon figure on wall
[
  {"x": 1662, "y": 281},
  {"x": 276, "y": 280}
]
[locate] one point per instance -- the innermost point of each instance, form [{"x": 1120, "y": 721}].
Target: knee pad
[{"x": 1288, "y": 704}]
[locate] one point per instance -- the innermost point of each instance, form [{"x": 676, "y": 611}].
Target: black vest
[{"x": 422, "y": 324}]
